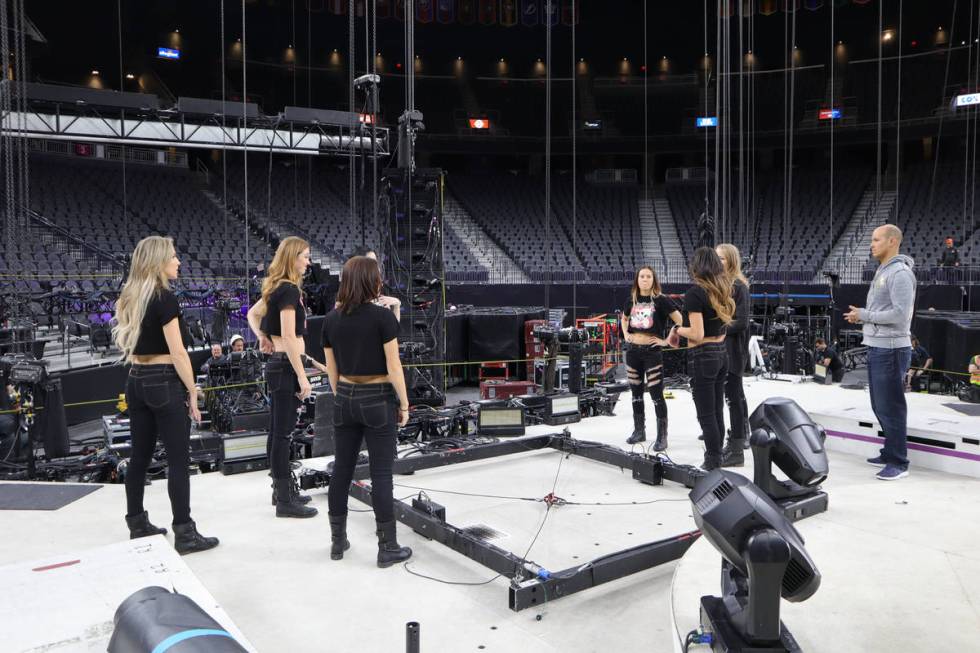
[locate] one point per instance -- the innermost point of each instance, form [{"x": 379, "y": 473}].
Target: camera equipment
[{"x": 763, "y": 560}]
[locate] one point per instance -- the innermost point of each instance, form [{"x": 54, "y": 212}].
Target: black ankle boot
[
  {"x": 639, "y": 430},
  {"x": 733, "y": 455},
  {"x": 661, "y": 443},
  {"x": 711, "y": 461},
  {"x": 294, "y": 494},
  {"x": 188, "y": 540},
  {"x": 338, "y": 536},
  {"x": 389, "y": 552},
  {"x": 140, "y": 526},
  {"x": 285, "y": 505}
]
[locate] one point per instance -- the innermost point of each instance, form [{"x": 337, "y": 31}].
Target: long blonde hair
[
  {"x": 707, "y": 272},
  {"x": 283, "y": 266},
  {"x": 732, "y": 262},
  {"x": 147, "y": 277}
]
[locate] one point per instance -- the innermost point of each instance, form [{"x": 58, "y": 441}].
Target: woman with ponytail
[
  {"x": 644, "y": 322},
  {"x": 710, "y": 309},
  {"x": 160, "y": 391},
  {"x": 278, "y": 320},
  {"x": 737, "y": 345}
]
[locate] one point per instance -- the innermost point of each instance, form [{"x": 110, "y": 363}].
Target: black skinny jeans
[
  {"x": 157, "y": 403},
  {"x": 738, "y": 407},
  {"x": 282, "y": 386},
  {"x": 367, "y": 411},
  {"x": 645, "y": 371},
  {"x": 707, "y": 364}
]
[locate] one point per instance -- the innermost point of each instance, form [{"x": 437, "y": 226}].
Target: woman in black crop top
[
  {"x": 644, "y": 321},
  {"x": 709, "y": 307},
  {"x": 360, "y": 341},
  {"x": 737, "y": 345},
  {"x": 160, "y": 391},
  {"x": 278, "y": 320}
]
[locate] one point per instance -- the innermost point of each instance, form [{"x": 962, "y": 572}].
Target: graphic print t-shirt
[{"x": 649, "y": 314}]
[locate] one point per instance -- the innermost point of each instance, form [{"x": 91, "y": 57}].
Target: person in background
[
  {"x": 921, "y": 361},
  {"x": 886, "y": 323},
  {"x": 384, "y": 301},
  {"x": 160, "y": 392},
  {"x": 737, "y": 346},
  {"x": 644, "y": 321},
  {"x": 237, "y": 344},
  {"x": 360, "y": 341},
  {"x": 278, "y": 320},
  {"x": 8, "y": 418},
  {"x": 974, "y": 369},
  {"x": 217, "y": 355},
  {"x": 710, "y": 307},
  {"x": 828, "y": 357},
  {"x": 950, "y": 256}
]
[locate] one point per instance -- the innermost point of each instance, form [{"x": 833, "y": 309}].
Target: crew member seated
[
  {"x": 921, "y": 362},
  {"x": 8, "y": 420},
  {"x": 828, "y": 357},
  {"x": 973, "y": 393},
  {"x": 217, "y": 357},
  {"x": 237, "y": 344}
]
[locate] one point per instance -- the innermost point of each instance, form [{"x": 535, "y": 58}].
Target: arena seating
[{"x": 782, "y": 250}]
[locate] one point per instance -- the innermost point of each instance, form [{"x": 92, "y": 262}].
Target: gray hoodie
[{"x": 887, "y": 318}]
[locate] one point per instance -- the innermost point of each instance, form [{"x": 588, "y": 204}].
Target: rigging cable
[{"x": 942, "y": 99}]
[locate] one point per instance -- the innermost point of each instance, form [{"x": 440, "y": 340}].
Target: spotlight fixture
[
  {"x": 95, "y": 72},
  {"x": 763, "y": 560},
  {"x": 130, "y": 76},
  {"x": 783, "y": 434},
  {"x": 500, "y": 420}
]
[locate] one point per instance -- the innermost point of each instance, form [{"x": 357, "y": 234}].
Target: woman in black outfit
[
  {"x": 160, "y": 391},
  {"x": 644, "y": 322},
  {"x": 360, "y": 341},
  {"x": 710, "y": 308},
  {"x": 737, "y": 345},
  {"x": 278, "y": 320}
]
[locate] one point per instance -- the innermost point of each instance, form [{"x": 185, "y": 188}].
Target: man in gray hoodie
[{"x": 886, "y": 323}]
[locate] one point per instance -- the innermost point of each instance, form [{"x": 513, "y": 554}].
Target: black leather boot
[
  {"x": 140, "y": 526},
  {"x": 661, "y": 443},
  {"x": 188, "y": 540},
  {"x": 733, "y": 455},
  {"x": 294, "y": 494},
  {"x": 389, "y": 552},
  {"x": 711, "y": 462},
  {"x": 639, "y": 430},
  {"x": 285, "y": 505},
  {"x": 338, "y": 537}
]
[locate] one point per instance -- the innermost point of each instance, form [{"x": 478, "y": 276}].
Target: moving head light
[{"x": 784, "y": 434}]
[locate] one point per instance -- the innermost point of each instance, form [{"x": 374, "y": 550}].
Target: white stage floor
[{"x": 890, "y": 552}]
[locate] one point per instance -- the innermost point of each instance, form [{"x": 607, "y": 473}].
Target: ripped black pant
[{"x": 644, "y": 372}]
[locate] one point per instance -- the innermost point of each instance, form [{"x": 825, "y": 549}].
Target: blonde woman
[
  {"x": 278, "y": 320},
  {"x": 737, "y": 344},
  {"x": 710, "y": 309},
  {"x": 160, "y": 390}
]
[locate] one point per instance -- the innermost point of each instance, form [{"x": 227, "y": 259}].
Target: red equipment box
[{"x": 506, "y": 389}]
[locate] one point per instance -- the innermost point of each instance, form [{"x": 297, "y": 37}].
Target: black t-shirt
[
  {"x": 696, "y": 301},
  {"x": 919, "y": 356},
  {"x": 358, "y": 339},
  {"x": 831, "y": 353},
  {"x": 950, "y": 256},
  {"x": 163, "y": 308},
  {"x": 649, "y": 314},
  {"x": 287, "y": 295}
]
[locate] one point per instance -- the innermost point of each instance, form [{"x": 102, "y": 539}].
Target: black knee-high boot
[
  {"x": 338, "y": 536},
  {"x": 661, "y": 443},
  {"x": 639, "y": 423}
]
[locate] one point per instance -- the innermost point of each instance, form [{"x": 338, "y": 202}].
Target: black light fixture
[
  {"x": 783, "y": 434},
  {"x": 764, "y": 560},
  {"x": 562, "y": 408}
]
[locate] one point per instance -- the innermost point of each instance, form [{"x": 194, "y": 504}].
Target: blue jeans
[{"x": 886, "y": 381}]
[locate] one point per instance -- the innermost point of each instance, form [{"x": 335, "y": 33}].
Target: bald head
[{"x": 885, "y": 241}]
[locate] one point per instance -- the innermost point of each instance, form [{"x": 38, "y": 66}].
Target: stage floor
[{"x": 274, "y": 579}]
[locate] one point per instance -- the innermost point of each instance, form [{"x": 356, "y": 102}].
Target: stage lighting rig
[
  {"x": 763, "y": 560},
  {"x": 783, "y": 434}
]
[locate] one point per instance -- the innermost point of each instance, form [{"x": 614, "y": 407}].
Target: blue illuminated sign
[
  {"x": 711, "y": 121},
  {"x": 168, "y": 53}
]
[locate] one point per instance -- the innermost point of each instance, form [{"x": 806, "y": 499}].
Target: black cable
[{"x": 451, "y": 582}]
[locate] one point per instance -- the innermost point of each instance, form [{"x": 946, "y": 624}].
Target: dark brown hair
[
  {"x": 707, "y": 271},
  {"x": 635, "y": 290},
  {"x": 360, "y": 283},
  {"x": 819, "y": 341}
]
